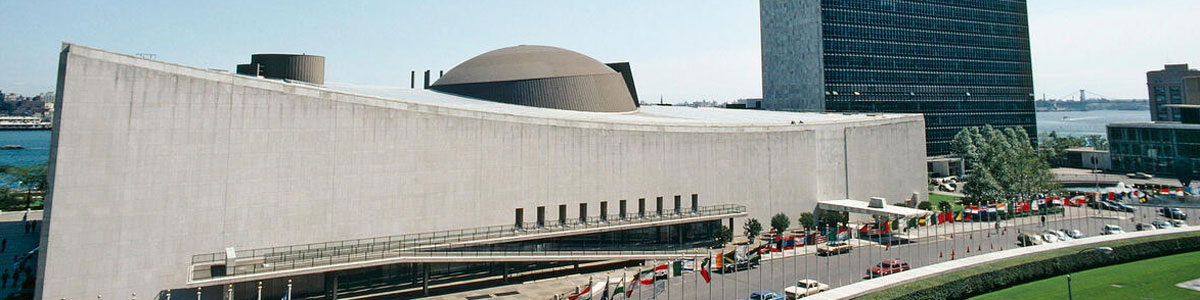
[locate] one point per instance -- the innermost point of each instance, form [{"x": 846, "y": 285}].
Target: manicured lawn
[
  {"x": 934, "y": 199},
  {"x": 1146, "y": 279}
]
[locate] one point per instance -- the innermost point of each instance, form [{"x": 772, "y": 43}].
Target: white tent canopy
[{"x": 863, "y": 207}]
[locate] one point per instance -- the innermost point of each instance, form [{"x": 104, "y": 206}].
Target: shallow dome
[{"x": 539, "y": 76}]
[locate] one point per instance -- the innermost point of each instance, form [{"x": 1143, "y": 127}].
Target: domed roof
[{"x": 539, "y": 76}]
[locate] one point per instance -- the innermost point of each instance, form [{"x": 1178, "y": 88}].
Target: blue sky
[{"x": 680, "y": 50}]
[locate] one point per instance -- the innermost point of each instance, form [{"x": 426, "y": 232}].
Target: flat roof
[
  {"x": 1156, "y": 125},
  {"x": 861, "y": 207},
  {"x": 1086, "y": 149},
  {"x": 646, "y": 114}
]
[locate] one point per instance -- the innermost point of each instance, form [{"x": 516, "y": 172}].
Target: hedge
[{"x": 991, "y": 277}]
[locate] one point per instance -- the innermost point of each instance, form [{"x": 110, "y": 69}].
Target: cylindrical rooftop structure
[{"x": 302, "y": 67}]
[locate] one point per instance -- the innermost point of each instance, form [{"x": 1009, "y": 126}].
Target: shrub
[{"x": 994, "y": 276}]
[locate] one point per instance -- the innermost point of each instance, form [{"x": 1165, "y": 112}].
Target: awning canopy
[{"x": 862, "y": 207}]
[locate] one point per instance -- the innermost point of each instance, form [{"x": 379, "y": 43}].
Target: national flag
[
  {"x": 586, "y": 291},
  {"x": 941, "y": 218},
  {"x": 704, "y": 270},
  {"x": 895, "y": 224},
  {"x": 632, "y": 285},
  {"x": 620, "y": 289},
  {"x": 843, "y": 234},
  {"x": 677, "y": 268},
  {"x": 647, "y": 277},
  {"x": 911, "y": 223},
  {"x": 604, "y": 294},
  {"x": 886, "y": 227},
  {"x": 662, "y": 272},
  {"x": 958, "y": 217}
]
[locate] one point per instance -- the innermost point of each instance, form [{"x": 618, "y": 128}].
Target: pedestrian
[
  {"x": 997, "y": 226},
  {"x": 1043, "y": 221},
  {"x": 3, "y": 244}
]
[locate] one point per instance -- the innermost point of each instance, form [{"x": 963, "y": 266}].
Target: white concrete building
[{"x": 153, "y": 163}]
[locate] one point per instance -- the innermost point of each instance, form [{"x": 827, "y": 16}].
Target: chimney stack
[{"x": 427, "y": 79}]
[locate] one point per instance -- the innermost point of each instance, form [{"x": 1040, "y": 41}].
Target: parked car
[
  {"x": 1173, "y": 213},
  {"x": 1049, "y": 238},
  {"x": 1029, "y": 239},
  {"x": 1103, "y": 204},
  {"x": 764, "y": 295},
  {"x": 1111, "y": 229},
  {"x": 1059, "y": 235},
  {"x": 887, "y": 267},
  {"x": 1160, "y": 224},
  {"x": 805, "y": 288},
  {"x": 1140, "y": 175},
  {"x": 833, "y": 248},
  {"x": 1074, "y": 233},
  {"x": 1178, "y": 223},
  {"x": 1145, "y": 227},
  {"x": 1118, "y": 206}
]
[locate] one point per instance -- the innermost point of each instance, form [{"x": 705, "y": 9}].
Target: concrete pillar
[
  {"x": 425, "y": 281},
  {"x": 331, "y": 285}
]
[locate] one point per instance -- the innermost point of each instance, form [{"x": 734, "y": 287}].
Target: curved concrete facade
[{"x": 152, "y": 163}]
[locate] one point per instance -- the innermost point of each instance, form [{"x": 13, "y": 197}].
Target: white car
[
  {"x": 1111, "y": 229},
  {"x": 1179, "y": 223},
  {"x": 1061, "y": 236},
  {"x": 805, "y": 288},
  {"x": 1049, "y": 238}
]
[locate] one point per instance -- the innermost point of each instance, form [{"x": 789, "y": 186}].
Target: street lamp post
[{"x": 1104, "y": 250}]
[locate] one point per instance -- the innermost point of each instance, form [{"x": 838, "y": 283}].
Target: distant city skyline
[{"x": 680, "y": 51}]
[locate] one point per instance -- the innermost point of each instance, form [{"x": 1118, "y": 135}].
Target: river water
[{"x": 1081, "y": 123}]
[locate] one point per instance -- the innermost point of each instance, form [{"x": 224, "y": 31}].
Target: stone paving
[{"x": 16, "y": 243}]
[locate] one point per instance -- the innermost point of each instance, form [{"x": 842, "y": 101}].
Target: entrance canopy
[{"x": 863, "y": 207}]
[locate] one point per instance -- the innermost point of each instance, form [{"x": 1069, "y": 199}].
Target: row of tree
[
  {"x": 18, "y": 183},
  {"x": 752, "y": 229}
]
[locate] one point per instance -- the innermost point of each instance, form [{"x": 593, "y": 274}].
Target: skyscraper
[
  {"x": 962, "y": 63},
  {"x": 1166, "y": 87}
]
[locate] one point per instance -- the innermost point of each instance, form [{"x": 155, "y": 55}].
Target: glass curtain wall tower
[{"x": 961, "y": 63}]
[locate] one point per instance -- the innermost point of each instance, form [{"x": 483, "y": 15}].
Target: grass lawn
[
  {"x": 1145, "y": 279},
  {"x": 935, "y": 199}
]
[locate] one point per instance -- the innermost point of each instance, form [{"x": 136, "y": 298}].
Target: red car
[{"x": 887, "y": 267}]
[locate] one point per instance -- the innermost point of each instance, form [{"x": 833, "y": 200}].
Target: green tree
[
  {"x": 808, "y": 221},
  {"x": 751, "y": 229},
  {"x": 1003, "y": 165},
  {"x": 780, "y": 223},
  {"x": 25, "y": 179},
  {"x": 723, "y": 235},
  {"x": 925, "y": 205},
  {"x": 831, "y": 219},
  {"x": 945, "y": 206}
]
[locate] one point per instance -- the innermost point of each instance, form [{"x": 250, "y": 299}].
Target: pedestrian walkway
[{"x": 17, "y": 239}]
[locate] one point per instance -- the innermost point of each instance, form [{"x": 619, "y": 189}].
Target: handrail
[{"x": 442, "y": 243}]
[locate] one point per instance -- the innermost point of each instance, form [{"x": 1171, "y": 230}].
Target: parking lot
[{"x": 926, "y": 245}]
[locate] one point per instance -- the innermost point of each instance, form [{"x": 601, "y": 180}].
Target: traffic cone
[
  {"x": 989, "y": 234},
  {"x": 951, "y": 254},
  {"x": 968, "y": 249},
  {"x": 979, "y": 248},
  {"x": 939, "y": 254},
  {"x": 971, "y": 236},
  {"x": 992, "y": 246}
]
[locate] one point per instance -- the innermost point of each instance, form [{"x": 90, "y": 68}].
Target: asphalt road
[{"x": 930, "y": 245}]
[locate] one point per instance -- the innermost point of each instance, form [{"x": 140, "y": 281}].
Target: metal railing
[{"x": 444, "y": 243}]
